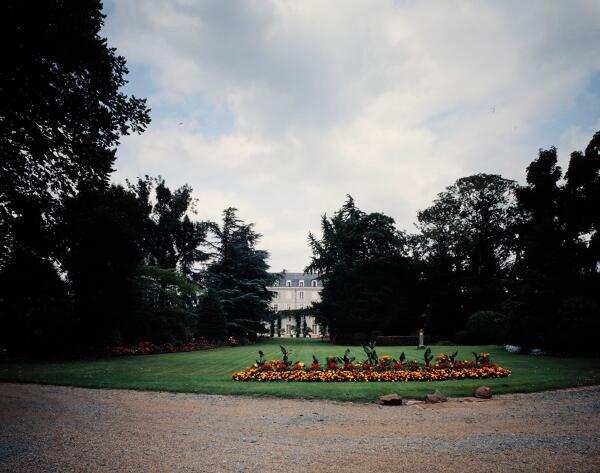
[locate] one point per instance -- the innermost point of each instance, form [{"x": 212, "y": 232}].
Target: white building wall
[{"x": 293, "y": 295}]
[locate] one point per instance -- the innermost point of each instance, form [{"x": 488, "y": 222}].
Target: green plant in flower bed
[{"x": 374, "y": 368}]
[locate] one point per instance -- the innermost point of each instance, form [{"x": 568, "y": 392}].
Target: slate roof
[{"x": 295, "y": 278}]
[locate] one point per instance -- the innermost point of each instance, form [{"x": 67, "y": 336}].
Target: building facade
[{"x": 293, "y": 291}]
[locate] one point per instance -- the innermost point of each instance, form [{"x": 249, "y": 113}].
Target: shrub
[{"x": 483, "y": 327}]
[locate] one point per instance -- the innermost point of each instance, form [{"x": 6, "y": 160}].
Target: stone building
[{"x": 292, "y": 291}]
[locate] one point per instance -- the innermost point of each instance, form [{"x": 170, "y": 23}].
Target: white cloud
[{"x": 387, "y": 101}]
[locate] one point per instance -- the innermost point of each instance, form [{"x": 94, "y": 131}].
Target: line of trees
[
  {"x": 493, "y": 261},
  {"x": 85, "y": 263}
]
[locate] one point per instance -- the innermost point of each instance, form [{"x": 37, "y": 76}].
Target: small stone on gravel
[
  {"x": 390, "y": 400},
  {"x": 483, "y": 392},
  {"x": 435, "y": 397}
]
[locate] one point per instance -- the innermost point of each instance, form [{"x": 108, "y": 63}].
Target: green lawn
[{"x": 210, "y": 371}]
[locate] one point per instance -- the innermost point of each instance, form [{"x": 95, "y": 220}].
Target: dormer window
[
  {"x": 301, "y": 282},
  {"x": 314, "y": 283},
  {"x": 288, "y": 283}
]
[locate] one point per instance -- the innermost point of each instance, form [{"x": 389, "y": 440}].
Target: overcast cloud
[{"x": 282, "y": 108}]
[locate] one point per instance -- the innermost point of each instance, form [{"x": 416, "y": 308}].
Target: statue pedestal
[{"x": 421, "y": 345}]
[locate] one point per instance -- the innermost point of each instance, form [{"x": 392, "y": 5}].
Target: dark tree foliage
[
  {"x": 36, "y": 314},
  {"x": 62, "y": 111},
  {"x": 370, "y": 282},
  {"x": 212, "y": 322},
  {"x": 556, "y": 301},
  {"x": 61, "y": 117},
  {"x": 102, "y": 240},
  {"x": 172, "y": 250},
  {"x": 467, "y": 241},
  {"x": 238, "y": 272},
  {"x": 166, "y": 303},
  {"x": 171, "y": 238}
]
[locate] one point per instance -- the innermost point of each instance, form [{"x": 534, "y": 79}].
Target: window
[
  {"x": 288, "y": 283},
  {"x": 275, "y": 295},
  {"x": 301, "y": 295},
  {"x": 301, "y": 282},
  {"x": 314, "y": 283},
  {"x": 275, "y": 307}
]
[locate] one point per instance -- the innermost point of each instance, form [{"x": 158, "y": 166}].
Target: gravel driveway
[{"x": 61, "y": 429}]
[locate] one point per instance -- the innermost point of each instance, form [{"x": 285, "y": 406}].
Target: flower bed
[
  {"x": 149, "y": 348},
  {"x": 374, "y": 369}
]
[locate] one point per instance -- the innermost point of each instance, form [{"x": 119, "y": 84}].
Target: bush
[{"x": 483, "y": 327}]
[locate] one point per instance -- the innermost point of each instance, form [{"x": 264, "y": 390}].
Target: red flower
[
  {"x": 349, "y": 366},
  {"x": 266, "y": 367},
  {"x": 333, "y": 365},
  {"x": 281, "y": 366},
  {"x": 315, "y": 366}
]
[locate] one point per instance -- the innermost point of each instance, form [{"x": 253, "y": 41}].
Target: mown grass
[{"x": 210, "y": 371}]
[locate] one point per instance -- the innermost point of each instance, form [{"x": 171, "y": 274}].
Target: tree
[
  {"x": 167, "y": 305},
  {"x": 467, "y": 239},
  {"x": 100, "y": 232},
  {"x": 212, "y": 323},
  {"x": 362, "y": 260},
  {"x": 557, "y": 266},
  {"x": 542, "y": 263},
  {"x": 62, "y": 113},
  {"x": 238, "y": 272},
  {"x": 171, "y": 238}
]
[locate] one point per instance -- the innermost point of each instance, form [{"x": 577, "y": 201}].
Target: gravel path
[{"x": 62, "y": 429}]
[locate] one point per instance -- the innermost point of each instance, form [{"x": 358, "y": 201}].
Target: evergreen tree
[{"x": 238, "y": 272}]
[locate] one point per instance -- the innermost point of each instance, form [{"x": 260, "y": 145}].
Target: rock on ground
[
  {"x": 61, "y": 429},
  {"x": 483, "y": 392}
]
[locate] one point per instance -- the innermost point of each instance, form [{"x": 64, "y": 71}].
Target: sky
[{"x": 282, "y": 108}]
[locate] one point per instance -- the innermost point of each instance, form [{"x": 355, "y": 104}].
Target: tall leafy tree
[
  {"x": 171, "y": 238},
  {"x": 172, "y": 252},
  {"x": 556, "y": 304},
  {"x": 238, "y": 272},
  {"x": 542, "y": 262},
  {"x": 370, "y": 282},
  {"x": 62, "y": 112},
  {"x": 62, "y": 115},
  {"x": 467, "y": 238}
]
